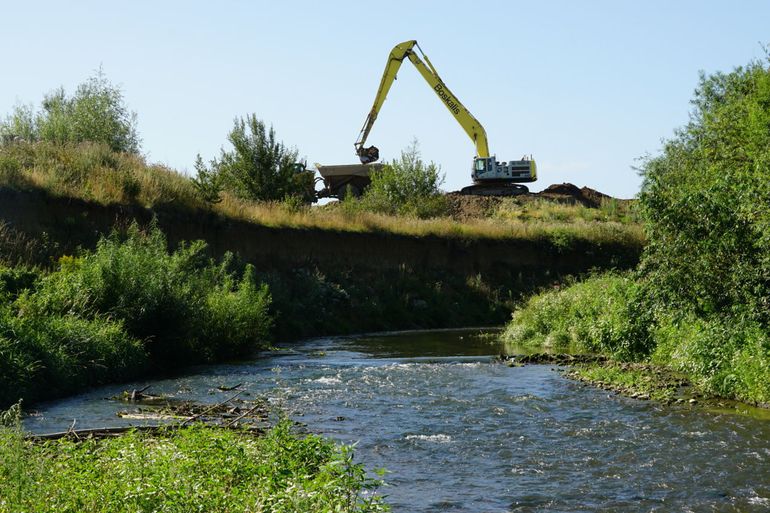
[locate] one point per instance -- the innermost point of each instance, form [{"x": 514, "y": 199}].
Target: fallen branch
[{"x": 204, "y": 412}]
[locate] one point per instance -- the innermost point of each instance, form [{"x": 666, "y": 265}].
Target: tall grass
[
  {"x": 93, "y": 172},
  {"x": 549, "y": 211},
  {"x": 601, "y": 314},
  {"x": 192, "y": 469}
]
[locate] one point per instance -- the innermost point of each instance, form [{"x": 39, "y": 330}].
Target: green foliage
[
  {"x": 95, "y": 113},
  {"x": 62, "y": 353},
  {"x": 14, "y": 280},
  {"x": 178, "y": 302},
  {"x": 406, "y": 186},
  {"x": 706, "y": 200},
  {"x": 258, "y": 167},
  {"x": 190, "y": 469},
  {"x": 602, "y": 314},
  {"x": 109, "y": 314},
  {"x": 207, "y": 182},
  {"x": 724, "y": 355},
  {"x": 700, "y": 303}
]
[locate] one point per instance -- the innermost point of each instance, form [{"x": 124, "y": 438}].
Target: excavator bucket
[{"x": 368, "y": 155}]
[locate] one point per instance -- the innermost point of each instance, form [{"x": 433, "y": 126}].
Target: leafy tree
[
  {"x": 406, "y": 185},
  {"x": 95, "y": 113},
  {"x": 706, "y": 201},
  {"x": 258, "y": 167}
]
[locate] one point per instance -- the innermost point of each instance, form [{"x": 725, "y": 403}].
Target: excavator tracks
[{"x": 495, "y": 189}]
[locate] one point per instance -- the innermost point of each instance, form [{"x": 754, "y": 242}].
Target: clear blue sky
[{"x": 585, "y": 87}]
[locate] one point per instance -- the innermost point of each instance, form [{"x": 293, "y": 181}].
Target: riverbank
[
  {"x": 195, "y": 468},
  {"x": 114, "y": 268},
  {"x": 649, "y": 354}
]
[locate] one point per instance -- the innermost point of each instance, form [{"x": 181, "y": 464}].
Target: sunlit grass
[{"x": 94, "y": 173}]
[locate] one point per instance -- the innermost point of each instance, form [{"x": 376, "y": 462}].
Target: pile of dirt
[
  {"x": 463, "y": 207},
  {"x": 566, "y": 191}
]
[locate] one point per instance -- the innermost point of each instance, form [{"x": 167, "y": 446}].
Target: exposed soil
[{"x": 463, "y": 207}]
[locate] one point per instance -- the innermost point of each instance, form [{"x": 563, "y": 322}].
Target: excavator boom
[
  {"x": 404, "y": 50},
  {"x": 486, "y": 169}
]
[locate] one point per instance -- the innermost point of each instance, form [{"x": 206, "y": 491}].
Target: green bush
[
  {"x": 406, "y": 186},
  {"x": 722, "y": 355},
  {"x": 700, "y": 301},
  {"x": 41, "y": 355},
  {"x": 602, "y": 314},
  {"x": 109, "y": 314},
  {"x": 179, "y": 303},
  {"x": 706, "y": 200},
  {"x": 258, "y": 167},
  {"x": 95, "y": 113}
]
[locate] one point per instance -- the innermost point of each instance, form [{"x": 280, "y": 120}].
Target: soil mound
[
  {"x": 586, "y": 196},
  {"x": 463, "y": 207}
]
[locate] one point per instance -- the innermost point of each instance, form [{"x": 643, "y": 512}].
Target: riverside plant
[
  {"x": 126, "y": 308},
  {"x": 195, "y": 468}
]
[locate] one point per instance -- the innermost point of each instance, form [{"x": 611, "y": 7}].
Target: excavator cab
[
  {"x": 493, "y": 178},
  {"x": 488, "y": 169}
]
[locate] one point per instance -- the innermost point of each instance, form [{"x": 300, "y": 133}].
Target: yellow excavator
[{"x": 490, "y": 177}]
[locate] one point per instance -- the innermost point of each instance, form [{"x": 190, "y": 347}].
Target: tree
[
  {"x": 706, "y": 201},
  {"x": 258, "y": 167},
  {"x": 95, "y": 113}
]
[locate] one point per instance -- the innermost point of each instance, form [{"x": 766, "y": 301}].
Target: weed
[{"x": 191, "y": 469}]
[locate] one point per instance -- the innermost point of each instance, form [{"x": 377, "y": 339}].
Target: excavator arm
[{"x": 400, "y": 52}]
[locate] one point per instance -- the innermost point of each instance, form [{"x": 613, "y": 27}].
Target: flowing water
[{"x": 459, "y": 432}]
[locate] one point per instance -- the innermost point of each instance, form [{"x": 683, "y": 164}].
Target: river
[{"x": 459, "y": 432}]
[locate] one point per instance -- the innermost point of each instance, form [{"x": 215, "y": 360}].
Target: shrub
[
  {"x": 700, "y": 302},
  {"x": 603, "y": 314},
  {"x": 95, "y": 113},
  {"x": 258, "y": 167},
  {"x": 406, "y": 186},
  {"x": 41, "y": 355},
  {"x": 706, "y": 200},
  {"x": 178, "y": 302},
  {"x": 236, "y": 315}
]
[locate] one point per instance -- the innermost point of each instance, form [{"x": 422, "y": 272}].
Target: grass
[
  {"x": 191, "y": 469},
  {"x": 540, "y": 210},
  {"x": 93, "y": 172}
]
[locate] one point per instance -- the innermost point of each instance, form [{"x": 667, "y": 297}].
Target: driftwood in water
[{"x": 184, "y": 413}]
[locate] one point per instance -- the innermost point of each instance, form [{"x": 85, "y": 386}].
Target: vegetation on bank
[
  {"x": 131, "y": 305},
  {"x": 95, "y": 113},
  {"x": 86, "y": 146},
  {"x": 698, "y": 303},
  {"x": 406, "y": 187},
  {"x": 196, "y": 468},
  {"x": 257, "y": 168},
  {"x": 125, "y": 308},
  {"x": 92, "y": 172}
]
